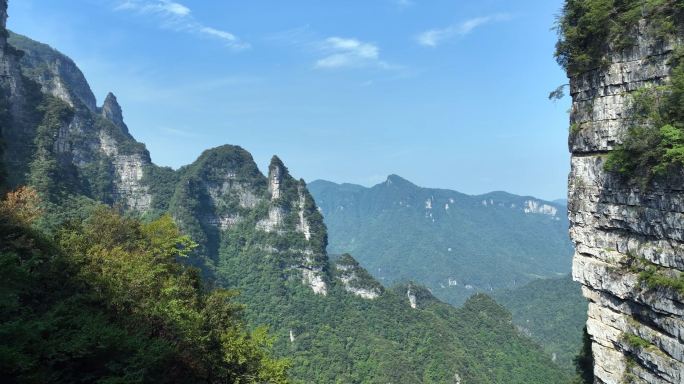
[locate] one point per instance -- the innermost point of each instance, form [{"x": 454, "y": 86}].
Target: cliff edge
[{"x": 629, "y": 236}]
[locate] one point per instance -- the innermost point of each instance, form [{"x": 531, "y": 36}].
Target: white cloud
[
  {"x": 164, "y": 7},
  {"x": 178, "y": 17},
  {"x": 349, "y": 53},
  {"x": 228, "y": 37},
  {"x": 434, "y": 37}
]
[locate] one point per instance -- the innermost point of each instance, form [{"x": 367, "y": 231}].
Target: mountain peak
[
  {"x": 276, "y": 163},
  {"x": 111, "y": 110},
  {"x": 397, "y": 180}
]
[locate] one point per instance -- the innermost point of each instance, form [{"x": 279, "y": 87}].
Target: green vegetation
[
  {"x": 346, "y": 339},
  {"x": 45, "y": 173},
  {"x": 655, "y": 276},
  {"x": 584, "y": 361},
  {"x": 476, "y": 247},
  {"x": 552, "y": 312},
  {"x": 161, "y": 183},
  {"x": 93, "y": 295},
  {"x": 635, "y": 341},
  {"x": 340, "y": 337},
  {"x": 589, "y": 29},
  {"x": 654, "y": 145},
  {"x": 105, "y": 301},
  {"x": 361, "y": 277}
]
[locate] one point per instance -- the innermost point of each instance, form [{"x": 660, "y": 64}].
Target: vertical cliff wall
[{"x": 637, "y": 331}]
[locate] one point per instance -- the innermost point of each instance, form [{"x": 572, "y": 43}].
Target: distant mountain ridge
[{"x": 456, "y": 244}]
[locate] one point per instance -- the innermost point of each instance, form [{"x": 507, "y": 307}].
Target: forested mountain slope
[
  {"x": 455, "y": 244},
  {"x": 550, "y": 311}
]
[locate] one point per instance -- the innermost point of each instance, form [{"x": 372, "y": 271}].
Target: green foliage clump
[
  {"x": 104, "y": 300},
  {"x": 349, "y": 268},
  {"x": 589, "y": 29},
  {"x": 654, "y": 145},
  {"x": 161, "y": 183},
  {"x": 636, "y": 341},
  {"x": 655, "y": 276},
  {"x": 47, "y": 175}
]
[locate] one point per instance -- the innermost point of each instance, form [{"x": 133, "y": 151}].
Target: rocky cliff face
[
  {"x": 14, "y": 105},
  {"x": 95, "y": 141},
  {"x": 355, "y": 279},
  {"x": 637, "y": 331},
  {"x": 223, "y": 196},
  {"x": 222, "y": 191}
]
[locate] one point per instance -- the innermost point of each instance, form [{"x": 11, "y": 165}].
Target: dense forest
[
  {"x": 454, "y": 243},
  {"x": 103, "y": 298}
]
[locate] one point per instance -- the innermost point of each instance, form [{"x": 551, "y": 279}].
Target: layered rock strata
[{"x": 637, "y": 331}]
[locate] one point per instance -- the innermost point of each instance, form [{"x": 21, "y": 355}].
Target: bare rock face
[
  {"x": 111, "y": 110},
  {"x": 19, "y": 133},
  {"x": 223, "y": 193},
  {"x": 355, "y": 279},
  {"x": 56, "y": 73},
  {"x": 637, "y": 332},
  {"x": 93, "y": 139}
]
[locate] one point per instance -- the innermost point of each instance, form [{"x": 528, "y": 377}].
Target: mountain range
[
  {"x": 455, "y": 244},
  {"x": 515, "y": 248}
]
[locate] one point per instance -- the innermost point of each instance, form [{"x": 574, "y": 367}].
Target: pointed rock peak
[
  {"x": 276, "y": 172},
  {"x": 111, "y": 100},
  {"x": 398, "y": 181},
  {"x": 277, "y": 165},
  {"x": 347, "y": 260},
  {"x": 356, "y": 279},
  {"x": 111, "y": 110},
  {"x": 418, "y": 295}
]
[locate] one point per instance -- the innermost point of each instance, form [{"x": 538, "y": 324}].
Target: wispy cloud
[
  {"x": 434, "y": 37},
  {"x": 187, "y": 134},
  {"x": 349, "y": 53},
  {"x": 176, "y": 16}
]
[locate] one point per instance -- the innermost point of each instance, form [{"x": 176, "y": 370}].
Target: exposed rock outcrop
[
  {"x": 111, "y": 110},
  {"x": 56, "y": 73},
  {"x": 637, "y": 331},
  {"x": 95, "y": 141},
  {"x": 418, "y": 296},
  {"x": 223, "y": 195},
  {"x": 355, "y": 279}
]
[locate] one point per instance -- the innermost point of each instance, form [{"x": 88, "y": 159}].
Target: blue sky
[{"x": 446, "y": 93}]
